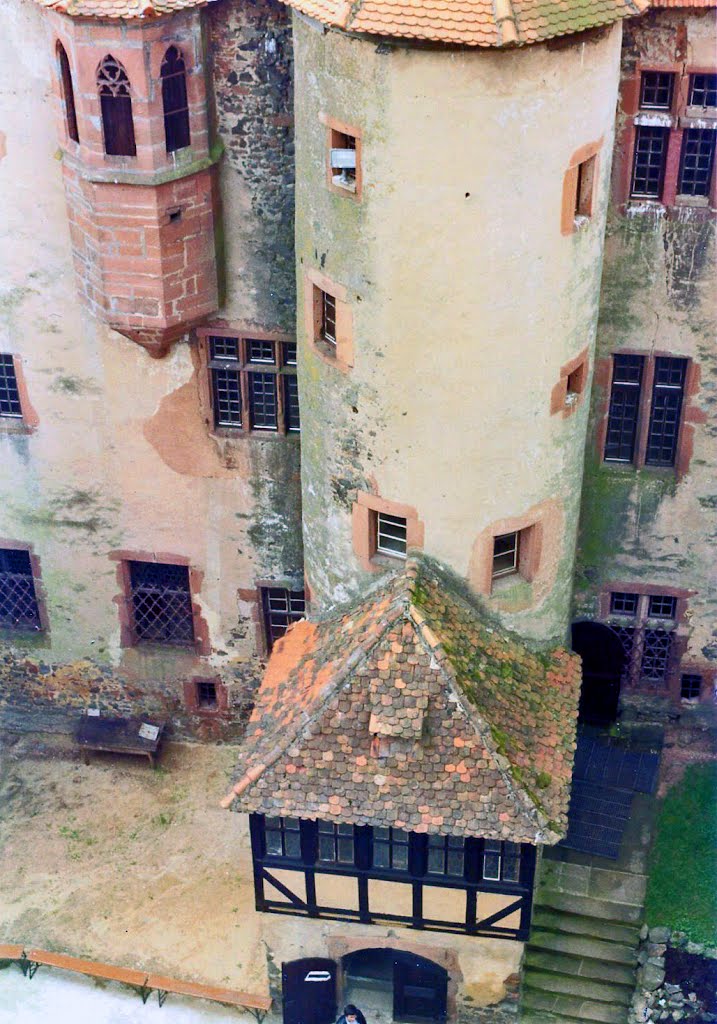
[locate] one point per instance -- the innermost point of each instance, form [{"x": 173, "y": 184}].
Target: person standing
[{"x": 351, "y": 1015}]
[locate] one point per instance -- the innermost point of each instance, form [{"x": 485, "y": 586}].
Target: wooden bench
[
  {"x": 31, "y": 959},
  {"x": 118, "y": 736}
]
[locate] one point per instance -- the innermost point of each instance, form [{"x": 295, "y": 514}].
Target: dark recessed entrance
[
  {"x": 390, "y": 984},
  {"x": 603, "y": 660}
]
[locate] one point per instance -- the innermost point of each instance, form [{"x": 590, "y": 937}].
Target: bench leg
[{"x": 161, "y": 996}]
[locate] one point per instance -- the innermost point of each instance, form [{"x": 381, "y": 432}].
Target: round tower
[{"x": 450, "y": 215}]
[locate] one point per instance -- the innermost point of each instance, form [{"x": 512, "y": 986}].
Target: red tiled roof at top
[
  {"x": 410, "y": 709},
  {"x": 491, "y": 23},
  {"x": 683, "y": 3},
  {"x": 125, "y": 9}
]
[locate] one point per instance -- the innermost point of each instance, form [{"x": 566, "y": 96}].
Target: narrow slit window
[
  {"x": 9, "y": 391},
  {"x": 648, "y": 170},
  {"x": 585, "y": 187},
  {"x": 697, "y": 161},
  {"x": 328, "y": 318},
  {"x": 506, "y": 549},
  {"x": 624, "y": 408},
  {"x": 174, "y": 100},
  {"x": 667, "y": 396},
  {"x": 391, "y": 535},
  {"x": 292, "y": 415},
  {"x": 68, "y": 93},
  {"x": 116, "y": 107},
  {"x": 19, "y": 607},
  {"x": 342, "y": 155}
]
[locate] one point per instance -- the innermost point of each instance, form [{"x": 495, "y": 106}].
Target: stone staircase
[{"x": 580, "y": 961}]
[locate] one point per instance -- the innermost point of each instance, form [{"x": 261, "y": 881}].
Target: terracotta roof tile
[
  {"x": 412, "y": 707},
  {"x": 125, "y": 9}
]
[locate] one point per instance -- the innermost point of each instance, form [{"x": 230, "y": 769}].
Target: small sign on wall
[{"x": 148, "y": 732}]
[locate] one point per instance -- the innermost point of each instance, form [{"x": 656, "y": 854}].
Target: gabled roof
[
  {"x": 484, "y": 23},
  {"x": 411, "y": 709}
]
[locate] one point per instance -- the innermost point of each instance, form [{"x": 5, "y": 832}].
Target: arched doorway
[
  {"x": 603, "y": 658},
  {"x": 394, "y": 985}
]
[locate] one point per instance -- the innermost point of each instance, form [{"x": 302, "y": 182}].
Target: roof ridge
[
  {"x": 506, "y": 22},
  {"x": 360, "y": 653}
]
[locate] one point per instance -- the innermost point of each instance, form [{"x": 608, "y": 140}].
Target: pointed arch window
[
  {"x": 116, "y": 105},
  {"x": 68, "y": 93},
  {"x": 174, "y": 99}
]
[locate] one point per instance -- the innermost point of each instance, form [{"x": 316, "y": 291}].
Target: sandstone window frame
[
  {"x": 175, "y": 103},
  {"x": 339, "y": 351},
  {"x": 197, "y": 705},
  {"x": 649, "y": 392},
  {"x": 281, "y": 366},
  {"x": 339, "y": 135},
  {"x": 580, "y": 187},
  {"x": 364, "y": 520},
  {"x": 674, "y": 117},
  {"x": 571, "y": 388}
]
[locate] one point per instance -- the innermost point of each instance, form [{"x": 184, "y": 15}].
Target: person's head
[{"x": 350, "y": 1013}]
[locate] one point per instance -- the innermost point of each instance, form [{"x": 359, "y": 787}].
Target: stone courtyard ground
[{"x": 119, "y": 863}]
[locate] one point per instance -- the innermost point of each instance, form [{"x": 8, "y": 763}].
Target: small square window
[
  {"x": 343, "y": 160},
  {"x": 282, "y": 837},
  {"x": 623, "y": 604},
  {"x": 260, "y": 350},
  {"x": 662, "y": 607},
  {"x": 9, "y": 390},
  {"x": 656, "y": 90},
  {"x": 585, "y": 188},
  {"x": 506, "y": 549},
  {"x": 690, "y": 686},
  {"x": 703, "y": 91},
  {"x": 391, "y": 535},
  {"x": 207, "y": 695}
]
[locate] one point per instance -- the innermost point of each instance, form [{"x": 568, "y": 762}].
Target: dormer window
[
  {"x": 174, "y": 100},
  {"x": 116, "y": 107},
  {"x": 68, "y": 93}
]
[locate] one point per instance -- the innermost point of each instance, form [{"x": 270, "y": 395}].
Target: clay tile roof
[
  {"x": 489, "y": 23},
  {"x": 124, "y": 9},
  {"x": 683, "y": 3},
  {"x": 412, "y": 709}
]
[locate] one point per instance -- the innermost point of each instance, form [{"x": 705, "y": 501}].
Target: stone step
[
  {"x": 584, "y": 988},
  {"x": 575, "y": 924},
  {"x": 579, "y": 967},
  {"x": 583, "y": 946},
  {"x": 588, "y": 880},
  {"x": 589, "y": 906},
  {"x": 571, "y": 1008}
]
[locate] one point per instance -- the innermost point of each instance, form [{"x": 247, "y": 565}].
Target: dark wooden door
[
  {"x": 309, "y": 991},
  {"x": 419, "y": 989}
]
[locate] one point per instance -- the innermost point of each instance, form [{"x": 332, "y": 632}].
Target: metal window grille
[
  {"x": 391, "y": 535},
  {"x": 282, "y": 837},
  {"x": 703, "y": 91},
  {"x": 657, "y": 644},
  {"x": 446, "y": 856},
  {"x": 68, "y": 93},
  {"x": 506, "y": 549},
  {"x": 648, "y": 169},
  {"x": 161, "y": 603},
  {"x": 116, "y": 108},
  {"x": 656, "y": 90},
  {"x": 390, "y": 849},
  {"x": 259, "y": 350},
  {"x": 9, "y": 391},
  {"x": 206, "y": 695},
  {"x": 281, "y": 608},
  {"x": 697, "y": 161},
  {"x": 501, "y": 861},
  {"x": 336, "y": 843},
  {"x": 624, "y": 408},
  {"x": 690, "y": 686},
  {"x": 18, "y": 601},
  {"x": 292, "y": 416},
  {"x": 263, "y": 401},
  {"x": 174, "y": 100},
  {"x": 664, "y": 426},
  {"x": 660, "y": 606},
  {"x": 328, "y": 318},
  {"x": 623, "y": 604},
  {"x": 626, "y": 635}
]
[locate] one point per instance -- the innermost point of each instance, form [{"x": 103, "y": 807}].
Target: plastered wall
[{"x": 465, "y": 299}]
